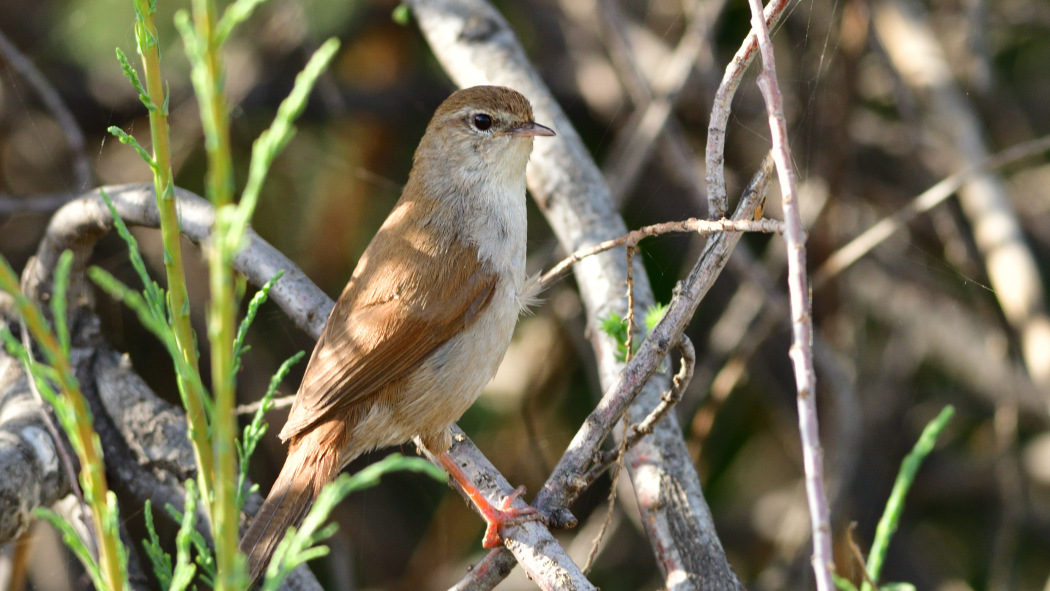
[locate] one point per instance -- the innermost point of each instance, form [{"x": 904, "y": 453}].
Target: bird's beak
[{"x": 529, "y": 129}]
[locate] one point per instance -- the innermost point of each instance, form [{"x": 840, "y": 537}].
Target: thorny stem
[{"x": 801, "y": 318}]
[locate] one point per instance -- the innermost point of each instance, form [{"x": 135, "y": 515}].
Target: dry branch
[
  {"x": 801, "y": 308},
  {"x": 1012, "y": 269}
]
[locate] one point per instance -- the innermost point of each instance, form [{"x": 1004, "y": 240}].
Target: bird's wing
[{"x": 389, "y": 326}]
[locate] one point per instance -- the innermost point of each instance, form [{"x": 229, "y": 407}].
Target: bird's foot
[
  {"x": 495, "y": 517},
  {"x": 505, "y": 515}
]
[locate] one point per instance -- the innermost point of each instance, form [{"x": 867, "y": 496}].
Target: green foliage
[
  {"x": 159, "y": 559},
  {"x": 152, "y": 291},
  {"x": 260, "y": 297},
  {"x": 179, "y": 577},
  {"x": 255, "y": 429},
  {"x": 134, "y": 143},
  {"x": 616, "y": 327},
  {"x": 401, "y": 14},
  {"x": 301, "y": 545},
  {"x": 60, "y": 287},
  {"x": 184, "y": 571},
  {"x": 189, "y": 541},
  {"x": 142, "y": 308},
  {"x": 235, "y": 14},
  {"x": 272, "y": 141},
  {"x": 136, "y": 83},
  {"x": 891, "y": 515},
  {"x": 652, "y": 316}
]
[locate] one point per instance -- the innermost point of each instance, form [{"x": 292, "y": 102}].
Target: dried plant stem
[
  {"x": 613, "y": 486},
  {"x": 629, "y": 343},
  {"x": 842, "y": 258},
  {"x": 622, "y": 448},
  {"x": 801, "y": 317},
  {"x": 718, "y": 202},
  {"x": 631, "y": 239},
  {"x": 667, "y": 402}
]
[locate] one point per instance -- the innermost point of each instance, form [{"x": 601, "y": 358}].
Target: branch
[
  {"x": 718, "y": 202},
  {"x": 801, "y": 308},
  {"x": 634, "y": 237},
  {"x": 1011, "y": 267}
]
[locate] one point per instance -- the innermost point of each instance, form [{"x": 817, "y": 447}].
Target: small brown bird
[{"x": 426, "y": 317}]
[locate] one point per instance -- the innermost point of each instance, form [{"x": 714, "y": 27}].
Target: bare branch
[
  {"x": 718, "y": 201},
  {"x": 801, "y": 308},
  {"x": 1012, "y": 269},
  {"x": 667, "y": 402},
  {"x": 925, "y": 201},
  {"x": 632, "y": 238}
]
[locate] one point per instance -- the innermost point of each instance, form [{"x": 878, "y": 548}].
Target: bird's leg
[{"x": 495, "y": 517}]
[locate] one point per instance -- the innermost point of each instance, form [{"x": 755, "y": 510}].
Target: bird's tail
[{"x": 308, "y": 468}]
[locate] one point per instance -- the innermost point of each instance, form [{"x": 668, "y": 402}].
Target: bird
[{"x": 425, "y": 319}]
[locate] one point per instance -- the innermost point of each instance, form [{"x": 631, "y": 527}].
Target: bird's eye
[{"x": 482, "y": 121}]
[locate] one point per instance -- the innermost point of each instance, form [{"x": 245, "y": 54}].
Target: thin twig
[
  {"x": 667, "y": 402},
  {"x": 629, "y": 341},
  {"x": 845, "y": 256},
  {"x": 718, "y": 201},
  {"x": 253, "y": 407},
  {"x": 858, "y": 555},
  {"x": 764, "y": 225},
  {"x": 622, "y": 448},
  {"x": 634, "y": 144},
  {"x": 82, "y": 171},
  {"x": 801, "y": 317},
  {"x": 611, "y": 500}
]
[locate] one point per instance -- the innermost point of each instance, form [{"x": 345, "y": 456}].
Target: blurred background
[{"x": 884, "y": 98}]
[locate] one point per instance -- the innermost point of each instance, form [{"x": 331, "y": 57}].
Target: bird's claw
[{"x": 506, "y": 515}]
